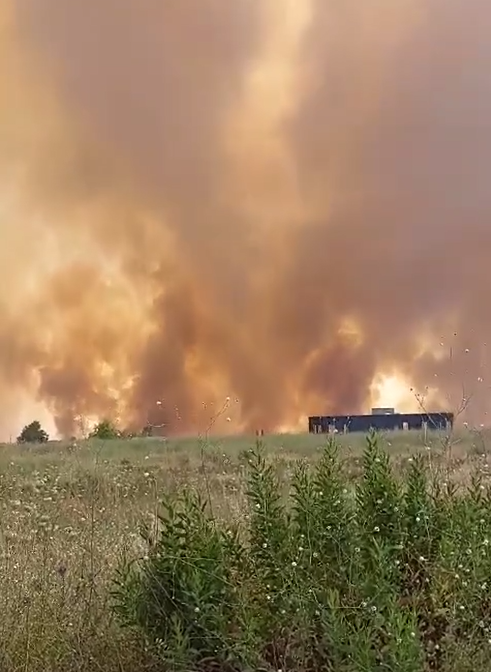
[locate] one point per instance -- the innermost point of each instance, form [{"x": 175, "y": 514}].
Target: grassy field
[{"x": 70, "y": 514}]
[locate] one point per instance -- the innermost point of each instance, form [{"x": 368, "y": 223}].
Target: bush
[
  {"x": 33, "y": 433},
  {"x": 105, "y": 430},
  {"x": 382, "y": 574}
]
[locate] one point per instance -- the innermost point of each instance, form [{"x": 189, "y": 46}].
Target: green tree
[
  {"x": 33, "y": 433},
  {"x": 105, "y": 430}
]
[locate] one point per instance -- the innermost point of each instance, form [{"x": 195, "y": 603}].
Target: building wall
[{"x": 363, "y": 423}]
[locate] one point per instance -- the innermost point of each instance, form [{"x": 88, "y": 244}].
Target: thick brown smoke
[{"x": 270, "y": 201}]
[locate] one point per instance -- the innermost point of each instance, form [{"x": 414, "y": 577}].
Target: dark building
[{"x": 325, "y": 424}]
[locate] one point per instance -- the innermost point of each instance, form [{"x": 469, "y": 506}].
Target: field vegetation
[{"x": 298, "y": 554}]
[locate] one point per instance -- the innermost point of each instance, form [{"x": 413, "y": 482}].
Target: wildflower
[
  {"x": 196, "y": 610},
  {"x": 265, "y": 545},
  {"x": 376, "y": 529},
  {"x": 294, "y": 564},
  {"x": 258, "y": 506},
  {"x": 418, "y": 519}
]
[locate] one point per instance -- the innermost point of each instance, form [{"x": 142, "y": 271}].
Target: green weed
[{"x": 390, "y": 572}]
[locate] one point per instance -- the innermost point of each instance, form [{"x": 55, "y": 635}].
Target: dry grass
[{"x": 70, "y": 513}]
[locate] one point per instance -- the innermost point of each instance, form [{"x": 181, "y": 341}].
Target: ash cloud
[{"x": 228, "y": 200}]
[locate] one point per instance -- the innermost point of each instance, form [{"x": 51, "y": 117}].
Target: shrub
[
  {"x": 105, "y": 430},
  {"x": 148, "y": 431},
  {"x": 33, "y": 433},
  {"x": 381, "y": 574}
]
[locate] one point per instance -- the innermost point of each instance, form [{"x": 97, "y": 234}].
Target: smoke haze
[{"x": 273, "y": 202}]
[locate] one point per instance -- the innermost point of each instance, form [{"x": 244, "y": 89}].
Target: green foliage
[
  {"x": 383, "y": 574},
  {"x": 33, "y": 433},
  {"x": 105, "y": 430}
]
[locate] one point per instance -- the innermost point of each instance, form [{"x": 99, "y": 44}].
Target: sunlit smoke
[{"x": 282, "y": 204}]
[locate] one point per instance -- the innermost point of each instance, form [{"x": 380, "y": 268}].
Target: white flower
[{"x": 294, "y": 564}]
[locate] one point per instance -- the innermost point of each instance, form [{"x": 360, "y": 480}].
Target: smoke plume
[{"x": 251, "y": 207}]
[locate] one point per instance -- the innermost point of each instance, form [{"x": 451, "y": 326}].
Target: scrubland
[{"x": 205, "y": 554}]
